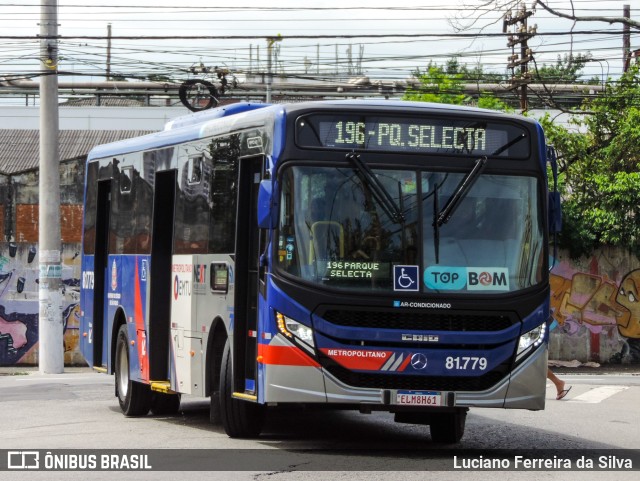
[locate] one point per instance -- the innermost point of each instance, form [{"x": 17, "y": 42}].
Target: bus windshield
[{"x": 337, "y": 230}]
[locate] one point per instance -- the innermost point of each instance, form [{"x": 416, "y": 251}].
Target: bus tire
[
  {"x": 240, "y": 419},
  {"x": 214, "y": 409},
  {"x": 134, "y": 397},
  {"x": 214, "y": 356},
  {"x": 164, "y": 404},
  {"x": 448, "y": 428}
]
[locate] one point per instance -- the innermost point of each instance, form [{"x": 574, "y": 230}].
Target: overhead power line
[{"x": 308, "y": 37}]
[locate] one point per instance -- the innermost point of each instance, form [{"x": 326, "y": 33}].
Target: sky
[{"x": 308, "y": 29}]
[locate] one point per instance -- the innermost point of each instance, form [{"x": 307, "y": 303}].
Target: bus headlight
[
  {"x": 530, "y": 340},
  {"x": 290, "y": 328}
]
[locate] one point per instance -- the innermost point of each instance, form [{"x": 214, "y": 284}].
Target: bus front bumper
[{"x": 524, "y": 388}]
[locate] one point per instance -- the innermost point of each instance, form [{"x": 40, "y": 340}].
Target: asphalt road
[{"x": 77, "y": 410}]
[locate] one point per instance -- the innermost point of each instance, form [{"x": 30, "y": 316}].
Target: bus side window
[
  {"x": 126, "y": 179},
  {"x": 90, "y": 208},
  {"x": 225, "y": 153},
  {"x": 194, "y": 170},
  {"x": 193, "y": 206},
  {"x": 122, "y": 229}
]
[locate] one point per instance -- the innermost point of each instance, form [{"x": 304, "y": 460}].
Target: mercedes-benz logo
[{"x": 418, "y": 361}]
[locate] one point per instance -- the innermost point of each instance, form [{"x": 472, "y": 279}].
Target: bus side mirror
[
  {"x": 267, "y": 209},
  {"x": 555, "y": 207},
  {"x": 555, "y": 213}
]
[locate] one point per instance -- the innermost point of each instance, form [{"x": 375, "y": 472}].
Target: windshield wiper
[
  {"x": 461, "y": 191},
  {"x": 465, "y": 184},
  {"x": 378, "y": 189}
]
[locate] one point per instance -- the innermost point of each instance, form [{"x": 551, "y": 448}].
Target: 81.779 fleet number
[{"x": 465, "y": 363}]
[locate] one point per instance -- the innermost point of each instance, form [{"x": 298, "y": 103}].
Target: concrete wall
[
  {"x": 19, "y": 268},
  {"x": 19, "y": 303},
  {"x": 596, "y": 301}
]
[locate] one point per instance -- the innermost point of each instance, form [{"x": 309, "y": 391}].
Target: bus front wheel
[
  {"x": 134, "y": 397},
  {"x": 240, "y": 419}
]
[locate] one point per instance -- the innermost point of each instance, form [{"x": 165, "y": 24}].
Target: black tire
[
  {"x": 164, "y": 404},
  {"x": 134, "y": 397},
  {"x": 197, "y": 95},
  {"x": 214, "y": 408},
  {"x": 215, "y": 359},
  {"x": 448, "y": 428},
  {"x": 240, "y": 419}
]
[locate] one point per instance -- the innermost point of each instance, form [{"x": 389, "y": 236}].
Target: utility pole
[
  {"x": 51, "y": 354},
  {"x": 521, "y": 36},
  {"x": 108, "y": 73},
  {"x": 270, "y": 42},
  {"x": 626, "y": 39}
]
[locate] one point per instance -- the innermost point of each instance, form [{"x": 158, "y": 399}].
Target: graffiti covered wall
[
  {"x": 596, "y": 303},
  {"x": 19, "y": 222},
  {"x": 19, "y": 303},
  {"x": 19, "y": 263}
]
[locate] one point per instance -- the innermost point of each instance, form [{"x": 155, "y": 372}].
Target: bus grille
[
  {"x": 389, "y": 381},
  {"x": 417, "y": 321}
]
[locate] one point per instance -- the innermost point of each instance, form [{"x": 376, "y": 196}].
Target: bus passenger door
[
  {"x": 101, "y": 259},
  {"x": 246, "y": 277},
  {"x": 160, "y": 292}
]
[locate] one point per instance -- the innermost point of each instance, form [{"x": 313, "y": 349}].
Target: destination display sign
[{"x": 472, "y": 136}]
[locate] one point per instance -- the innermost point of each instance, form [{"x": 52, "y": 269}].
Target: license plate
[{"x": 419, "y": 398}]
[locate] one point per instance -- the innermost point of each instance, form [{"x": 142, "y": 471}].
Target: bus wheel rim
[{"x": 123, "y": 373}]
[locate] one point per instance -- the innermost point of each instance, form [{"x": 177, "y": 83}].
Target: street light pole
[{"x": 50, "y": 330}]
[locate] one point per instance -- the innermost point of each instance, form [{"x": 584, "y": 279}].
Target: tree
[
  {"x": 600, "y": 170},
  {"x": 475, "y": 13},
  {"x": 566, "y": 70},
  {"x": 598, "y": 156},
  {"x": 480, "y": 15},
  {"x": 446, "y": 85},
  {"x": 436, "y": 85},
  {"x": 476, "y": 74},
  {"x": 585, "y": 18}
]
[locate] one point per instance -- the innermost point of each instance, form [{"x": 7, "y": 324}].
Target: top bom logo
[{"x": 485, "y": 279}]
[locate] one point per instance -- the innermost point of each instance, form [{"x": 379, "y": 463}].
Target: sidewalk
[
  {"x": 27, "y": 370},
  {"x": 576, "y": 367}
]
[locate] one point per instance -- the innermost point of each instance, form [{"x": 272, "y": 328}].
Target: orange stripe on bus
[
  {"x": 140, "y": 327},
  {"x": 405, "y": 363},
  {"x": 284, "y": 356}
]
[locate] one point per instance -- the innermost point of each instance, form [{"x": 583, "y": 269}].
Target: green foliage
[
  {"x": 598, "y": 153},
  {"x": 601, "y": 170},
  {"x": 490, "y": 101},
  {"x": 475, "y": 74},
  {"x": 566, "y": 70},
  {"x": 436, "y": 85},
  {"x": 576, "y": 237},
  {"x": 446, "y": 85}
]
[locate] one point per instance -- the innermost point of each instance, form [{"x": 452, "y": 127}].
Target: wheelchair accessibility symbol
[{"x": 405, "y": 278}]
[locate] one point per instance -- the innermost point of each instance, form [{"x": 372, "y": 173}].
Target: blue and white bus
[{"x": 371, "y": 255}]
